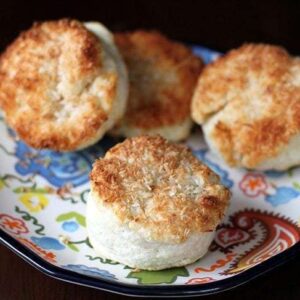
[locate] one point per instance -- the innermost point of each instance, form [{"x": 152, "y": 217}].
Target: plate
[{"x": 42, "y": 218}]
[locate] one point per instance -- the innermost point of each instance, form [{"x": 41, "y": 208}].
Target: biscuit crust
[
  {"x": 249, "y": 103},
  {"x": 56, "y": 88},
  {"x": 162, "y": 76},
  {"x": 154, "y": 185}
]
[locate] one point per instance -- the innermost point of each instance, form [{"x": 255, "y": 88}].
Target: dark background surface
[{"x": 220, "y": 25}]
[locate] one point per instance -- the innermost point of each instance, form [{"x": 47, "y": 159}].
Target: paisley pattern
[
  {"x": 42, "y": 205},
  {"x": 279, "y": 234}
]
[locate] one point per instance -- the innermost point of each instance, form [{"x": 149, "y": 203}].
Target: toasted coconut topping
[
  {"x": 251, "y": 96},
  {"x": 56, "y": 87},
  {"x": 161, "y": 187},
  {"x": 162, "y": 77}
]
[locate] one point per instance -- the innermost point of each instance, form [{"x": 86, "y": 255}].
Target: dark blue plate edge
[{"x": 147, "y": 290}]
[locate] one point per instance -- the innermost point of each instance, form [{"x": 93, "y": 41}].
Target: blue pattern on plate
[
  {"x": 70, "y": 226},
  {"x": 58, "y": 168},
  {"x": 275, "y": 173},
  {"x": 90, "y": 271},
  {"x": 283, "y": 195},
  {"x": 48, "y": 243},
  {"x": 201, "y": 154},
  {"x": 206, "y": 54}
]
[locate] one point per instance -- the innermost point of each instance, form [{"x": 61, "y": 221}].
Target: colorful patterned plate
[{"x": 42, "y": 218}]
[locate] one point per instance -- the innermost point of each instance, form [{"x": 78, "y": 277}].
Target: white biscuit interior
[{"x": 116, "y": 241}]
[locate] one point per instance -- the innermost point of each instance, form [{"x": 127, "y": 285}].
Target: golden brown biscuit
[
  {"x": 248, "y": 102},
  {"x": 153, "y": 205},
  {"x": 62, "y": 86},
  {"x": 162, "y": 76},
  {"x": 143, "y": 173}
]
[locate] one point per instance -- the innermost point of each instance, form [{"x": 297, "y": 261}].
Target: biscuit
[
  {"x": 63, "y": 84},
  {"x": 248, "y": 103},
  {"x": 162, "y": 76},
  {"x": 153, "y": 205}
]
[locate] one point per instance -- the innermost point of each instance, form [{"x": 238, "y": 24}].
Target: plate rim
[{"x": 147, "y": 290}]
